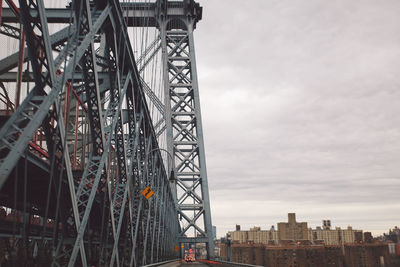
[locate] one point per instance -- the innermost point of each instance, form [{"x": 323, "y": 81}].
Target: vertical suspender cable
[
  {"x": 1, "y": 9},
  {"x": 15, "y": 215},
  {"x": 26, "y": 222},
  {"x": 20, "y": 65}
]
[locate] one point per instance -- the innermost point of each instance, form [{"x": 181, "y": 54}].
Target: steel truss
[
  {"x": 77, "y": 152},
  {"x": 183, "y": 120},
  {"x": 180, "y": 109}
]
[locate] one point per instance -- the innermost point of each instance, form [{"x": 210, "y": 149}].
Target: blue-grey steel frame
[
  {"x": 120, "y": 155},
  {"x": 183, "y": 120}
]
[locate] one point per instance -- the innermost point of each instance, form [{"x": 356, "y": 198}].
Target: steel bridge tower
[
  {"x": 183, "y": 119},
  {"x": 83, "y": 180}
]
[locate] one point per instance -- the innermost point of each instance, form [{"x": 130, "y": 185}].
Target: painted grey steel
[
  {"x": 10, "y": 31},
  {"x": 87, "y": 189},
  {"x": 148, "y": 59},
  {"x": 157, "y": 102},
  {"x": 119, "y": 152},
  {"x": 11, "y": 61},
  {"x": 184, "y": 129},
  {"x": 39, "y": 105},
  {"x": 143, "y": 57},
  {"x": 28, "y": 77},
  {"x": 140, "y": 14}
]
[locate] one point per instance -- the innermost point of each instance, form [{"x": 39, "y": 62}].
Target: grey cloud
[{"x": 300, "y": 104}]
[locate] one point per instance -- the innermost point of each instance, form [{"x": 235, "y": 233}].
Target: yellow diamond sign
[{"x": 147, "y": 192}]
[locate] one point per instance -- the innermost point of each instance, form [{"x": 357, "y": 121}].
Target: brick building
[
  {"x": 293, "y": 244},
  {"x": 367, "y": 255},
  {"x": 298, "y": 231},
  {"x": 334, "y": 256},
  {"x": 255, "y": 235},
  {"x": 287, "y": 255},
  {"x": 298, "y": 255},
  {"x": 336, "y": 236},
  {"x": 292, "y": 230}
]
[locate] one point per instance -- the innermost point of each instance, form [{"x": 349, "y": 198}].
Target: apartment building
[
  {"x": 292, "y": 230},
  {"x": 298, "y": 231}
]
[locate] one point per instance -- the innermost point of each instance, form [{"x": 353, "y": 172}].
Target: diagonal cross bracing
[
  {"x": 99, "y": 217},
  {"x": 183, "y": 124}
]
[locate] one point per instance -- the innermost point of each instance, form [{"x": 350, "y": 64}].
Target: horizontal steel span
[{"x": 136, "y": 14}]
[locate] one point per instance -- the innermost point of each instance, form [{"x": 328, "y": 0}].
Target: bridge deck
[
  {"x": 201, "y": 263},
  {"x": 184, "y": 264}
]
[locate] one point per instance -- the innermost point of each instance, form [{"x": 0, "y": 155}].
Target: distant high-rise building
[
  {"x": 292, "y": 230},
  {"x": 336, "y": 236},
  {"x": 214, "y": 231},
  {"x": 237, "y": 227},
  {"x": 255, "y": 235},
  {"x": 326, "y": 224},
  {"x": 368, "y": 237},
  {"x": 298, "y": 232}
]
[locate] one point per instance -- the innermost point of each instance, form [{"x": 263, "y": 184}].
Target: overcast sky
[{"x": 301, "y": 111}]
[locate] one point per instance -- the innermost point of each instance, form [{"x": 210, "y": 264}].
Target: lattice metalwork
[
  {"x": 79, "y": 149},
  {"x": 183, "y": 120}
]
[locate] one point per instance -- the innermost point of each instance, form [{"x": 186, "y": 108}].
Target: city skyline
[
  {"x": 309, "y": 226},
  {"x": 299, "y": 104}
]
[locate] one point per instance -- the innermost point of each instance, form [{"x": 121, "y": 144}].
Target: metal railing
[
  {"x": 230, "y": 263},
  {"x": 160, "y": 263}
]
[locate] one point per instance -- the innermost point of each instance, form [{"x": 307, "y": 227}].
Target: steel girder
[
  {"x": 100, "y": 156},
  {"x": 140, "y": 14}
]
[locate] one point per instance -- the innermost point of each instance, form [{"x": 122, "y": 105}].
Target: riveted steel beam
[
  {"x": 139, "y": 14},
  {"x": 183, "y": 124}
]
